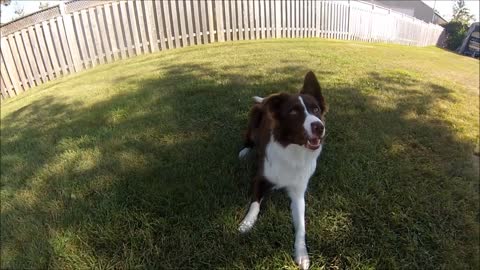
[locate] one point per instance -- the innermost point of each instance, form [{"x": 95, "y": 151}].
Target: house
[
  {"x": 471, "y": 43},
  {"x": 414, "y": 8}
]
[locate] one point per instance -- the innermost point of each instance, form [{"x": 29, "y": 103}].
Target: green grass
[{"x": 134, "y": 164}]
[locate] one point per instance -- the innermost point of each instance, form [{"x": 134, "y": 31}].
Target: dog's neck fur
[{"x": 289, "y": 167}]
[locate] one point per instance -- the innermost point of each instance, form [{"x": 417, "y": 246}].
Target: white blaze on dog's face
[{"x": 313, "y": 126}]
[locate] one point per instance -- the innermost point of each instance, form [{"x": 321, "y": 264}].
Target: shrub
[{"x": 456, "y": 31}]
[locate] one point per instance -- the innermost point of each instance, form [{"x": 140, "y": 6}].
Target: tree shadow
[{"x": 151, "y": 178}]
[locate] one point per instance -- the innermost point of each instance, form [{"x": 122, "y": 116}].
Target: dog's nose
[{"x": 317, "y": 128}]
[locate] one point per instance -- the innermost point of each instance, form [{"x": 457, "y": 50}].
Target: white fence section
[{"x": 79, "y": 35}]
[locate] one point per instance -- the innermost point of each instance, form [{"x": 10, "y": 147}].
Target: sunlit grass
[{"x": 133, "y": 164}]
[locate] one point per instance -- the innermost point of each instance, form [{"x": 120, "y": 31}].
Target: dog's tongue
[{"x": 314, "y": 141}]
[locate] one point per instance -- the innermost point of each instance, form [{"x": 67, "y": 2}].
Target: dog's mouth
[{"x": 313, "y": 143}]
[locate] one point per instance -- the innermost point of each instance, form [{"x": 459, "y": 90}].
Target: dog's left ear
[{"x": 311, "y": 87}]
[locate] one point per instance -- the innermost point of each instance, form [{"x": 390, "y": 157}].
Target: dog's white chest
[{"x": 290, "y": 166}]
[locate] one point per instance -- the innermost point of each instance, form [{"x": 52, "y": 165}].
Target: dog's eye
[
  {"x": 316, "y": 110},
  {"x": 293, "y": 112}
]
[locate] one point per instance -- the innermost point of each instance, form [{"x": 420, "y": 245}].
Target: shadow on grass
[{"x": 151, "y": 179}]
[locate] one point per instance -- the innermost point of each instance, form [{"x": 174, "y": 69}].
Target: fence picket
[
  {"x": 235, "y": 26},
  {"x": 203, "y": 16},
  {"x": 51, "y": 49},
  {"x": 309, "y": 19},
  {"x": 261, "y": 9},
  {"x": 313, "y": 22},
  {"x": 29, "y": 54},
  {"x": 241, "y": 21},
  {"x": 114, "y": 48},
  {"x": 181, "y": 18},
  {"x": 117, "y": 23},
  {"x": 123, "y": 18},
  {"x": 68, "y": 34},
  {"x": 10, "y": 67},
  {"x": 67, "y": 54},
  {"x": 138, "y": 9},
  {"x": 88, "y": 35},
  {"x": 5, "y": 84},
  {"x": 246, "y": 21},
  {"x": 103, "y": 35},
  {"x": 251, "y": 20},
  {"x": 219, "y": 20},
  {"x": 277, "y": 27},
  {"x": 335, "y": 20},
  {"x": 17, "y": 62},
  {"x": 228, "y": 27},
  {"x": 188, "y": 8},
  {"x": 168, "y": 28},
  {"x": 36, "y": 54},
  {"x": 151, "y": 27},
  {"x": 198, "y": 28},
  {"x": 284, "y": 19},
  {"x": 269, "y": 17},
  {"x": 174, "y": 16},
  {"x": 23, "y": 58},
  {"x": 43, "y": 51},
  {"x": 96, "y": 36},
  {"x": 79, "y": 31},
  {"x": 211, "y": 28},
  {"x": 303, "y": 16}
]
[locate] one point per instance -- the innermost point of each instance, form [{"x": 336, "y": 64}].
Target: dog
[{"x": 288, "y": 132}]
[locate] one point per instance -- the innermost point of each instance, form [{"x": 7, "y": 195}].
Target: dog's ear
[
  {"x": 311, "y": 87},
  {"x": 274, "y": 103}
]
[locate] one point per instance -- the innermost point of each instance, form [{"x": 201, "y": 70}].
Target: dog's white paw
[
  {"x": 303, "y": 262},
  {"x": 245, "y": 226},
  {"x": 257, "y": 99},
  {"x": 244, "y": 152},
  {"x": 301, "y": 258}
]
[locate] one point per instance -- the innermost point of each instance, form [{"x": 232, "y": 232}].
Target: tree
[
  {"x": 457, "y": 28},
  {"x": 43, "y": 5},
  {"x": 461, "y": 13}
]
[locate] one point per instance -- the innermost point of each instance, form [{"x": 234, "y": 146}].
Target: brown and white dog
[{"x": 287, "y": 131}]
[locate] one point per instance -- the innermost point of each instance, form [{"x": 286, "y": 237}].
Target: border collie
[{"x": 287, "y": 131}]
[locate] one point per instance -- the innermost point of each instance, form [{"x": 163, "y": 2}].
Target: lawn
[{"x": 134, "y": 164}]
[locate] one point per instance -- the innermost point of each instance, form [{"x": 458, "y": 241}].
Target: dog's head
[{"x": 298, "y": 118}]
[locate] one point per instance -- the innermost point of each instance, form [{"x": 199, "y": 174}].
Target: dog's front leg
[
  {"x": 298, "y": 214},
  {"x": 261, "y": 186}
]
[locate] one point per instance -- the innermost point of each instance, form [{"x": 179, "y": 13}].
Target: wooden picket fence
[{"x": 79, "y": 35}]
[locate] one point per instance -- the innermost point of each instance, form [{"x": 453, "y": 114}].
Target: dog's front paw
[
  {"x": 243, "y": 153},
  {"x": 245, "y": 226},
  {"x": 301, "y": 258}
]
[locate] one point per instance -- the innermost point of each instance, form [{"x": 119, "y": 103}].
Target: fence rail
[{"x": 79, "y": 35}]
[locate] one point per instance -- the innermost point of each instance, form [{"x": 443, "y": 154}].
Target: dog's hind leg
[
  {"x": 261, "y": 186},
  {"x": 254, "y": 121}
]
